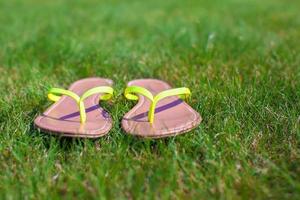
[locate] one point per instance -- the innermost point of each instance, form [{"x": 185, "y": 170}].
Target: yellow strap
[
  {"x": 55, "y": 94},
  {"x": 131, "y": 91}
]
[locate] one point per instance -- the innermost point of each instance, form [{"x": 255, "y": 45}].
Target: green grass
[{"x": 241, "y": 60}]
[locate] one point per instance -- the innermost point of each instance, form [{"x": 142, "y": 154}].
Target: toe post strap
[
  {"x": 132, "y": 93},
  {"x": 54, "y": 94}
]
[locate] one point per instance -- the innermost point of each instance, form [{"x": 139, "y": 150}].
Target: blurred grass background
[{"x": 240, "y": 59}]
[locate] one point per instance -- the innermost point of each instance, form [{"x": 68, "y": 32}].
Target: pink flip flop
[
  {"x": 159, "y": 111},
  {"x": 76, "y": 112}
]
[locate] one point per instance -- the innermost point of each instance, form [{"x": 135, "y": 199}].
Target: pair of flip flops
[{"x": 160, "y": 111}]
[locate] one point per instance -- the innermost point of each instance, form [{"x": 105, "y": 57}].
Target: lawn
[{"x": 241, "y": 59}]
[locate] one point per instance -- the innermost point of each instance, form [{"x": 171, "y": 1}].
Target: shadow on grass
[
  {"x": 61, "y": 142},
  {"x": 117, "y": 138}
]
